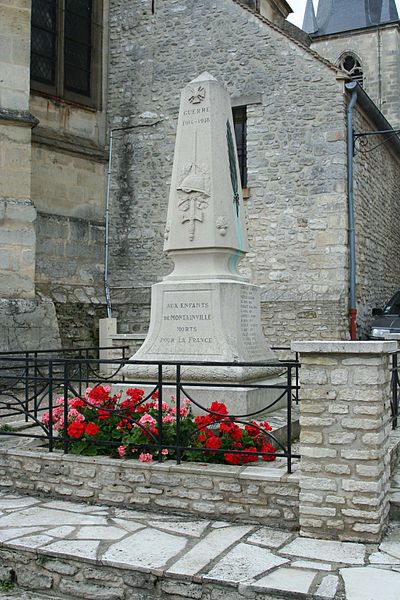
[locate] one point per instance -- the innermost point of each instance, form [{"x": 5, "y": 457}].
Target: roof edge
[
  {"x": 373, "y": 112},
  {"x": 315, "y": 36},
  {"x": 266, "y": 21}
]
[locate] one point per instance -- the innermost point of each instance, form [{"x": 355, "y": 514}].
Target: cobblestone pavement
[{"x": 251, "y": 558}]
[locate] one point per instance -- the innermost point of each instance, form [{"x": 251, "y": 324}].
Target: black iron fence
[
  {"x": 66, "y": 402},
  {"x": 394, "y": 389}
]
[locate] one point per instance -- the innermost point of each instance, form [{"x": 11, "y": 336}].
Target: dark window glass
[
  {"x": 353, "y": 67},
  {"x": 77, "y": 46},
  {"x": 43, "y": 41},
  {"x": 393, "y": 306},
  {"x": 62, "y": 46},
  {"x": 240, "y": 124}
]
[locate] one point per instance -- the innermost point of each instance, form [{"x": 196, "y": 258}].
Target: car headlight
[{"x": 379, "y": 333}]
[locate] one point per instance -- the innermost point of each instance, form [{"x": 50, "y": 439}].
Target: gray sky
[{"x": 298, "y": 10}]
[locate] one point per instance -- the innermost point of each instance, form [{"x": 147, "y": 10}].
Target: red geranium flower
[
  {"x": 123, "y": 423},
  {"x": 103, "y": 414},
  {"x": 92, "y": 429},
  {"x": 250, "y": 457},
  {"x": 266, "y": 447},
  {"x": 99, "y": 393},
  {"x": 232, "y": 459},
  {"x": 220, "y": 409},
  {"x": 135, "y": 393},
  {"x": 213, "y": 443},
  {"x": 76, "y": 429},
  {"x": 252, "y": 431},
  {"x": 204, "y": 435},
  {"x": 232, "y": 430},
  {"x": 266, "y": 426},
  {"x": 203, "y": 420}
]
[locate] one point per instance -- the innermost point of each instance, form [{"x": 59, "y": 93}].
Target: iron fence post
[
  {"x": 26, "y": 386},
  {"x": 289, "y": 419},
  {"x": 394, "y": 386},
  {"x": 178, "y": 414},
  {"x": 87, "y": 367},
  {"x": 65, "y": 424},
  {"x": 160, "y": 413},
  {"x": 35, "y": 376},
  {"x": 297, "y": 378},
  {"x": 80, "y": 372},
  {"x": 51, "y": 441}
]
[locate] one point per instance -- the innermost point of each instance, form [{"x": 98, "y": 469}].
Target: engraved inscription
[
  {"x": 249, "y": 319},
  {"x": 196, "y": 116},
  {"x": 187, "y": 323}
]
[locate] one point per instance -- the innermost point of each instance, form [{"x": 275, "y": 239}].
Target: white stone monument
[{"x": 205, "y": 310}]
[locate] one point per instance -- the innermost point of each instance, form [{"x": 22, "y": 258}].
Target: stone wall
[
  {"x": 70, "y": 259},
  {"x": 296, "y": 153},
  {"x": 379, "y": 53},
  {"x": 251, "y": 494},
  {"x": 17, "y": 248},
  {"x": 376, "y": 202},
  {"x": 68, "y": 189},
  {"x": 28, "y": 324},
  {"x": 67, "y": 184}
]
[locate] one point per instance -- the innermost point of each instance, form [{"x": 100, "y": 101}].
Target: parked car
[{"x": 387, "y": 322}]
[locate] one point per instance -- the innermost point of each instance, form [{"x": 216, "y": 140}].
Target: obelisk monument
[{"x": 205, "y": 310}]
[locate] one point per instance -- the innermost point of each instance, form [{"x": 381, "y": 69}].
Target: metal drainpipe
[
  {"x": 107, "y": 235},
  {"x": 352, "y": 86}
]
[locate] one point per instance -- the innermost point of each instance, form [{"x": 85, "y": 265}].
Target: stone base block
[
  {"x": 205, "y": 321},
  {"x": 241, "y": 401}
]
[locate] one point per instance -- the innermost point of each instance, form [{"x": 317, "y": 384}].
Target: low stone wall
[
  {"x": 264, "y": 493},
  {"x": 75, "y": 578}
]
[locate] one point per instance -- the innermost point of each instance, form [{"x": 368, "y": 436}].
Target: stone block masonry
[
  {"x": 263, "y": 494},
  {"x": 345, "y": 427},
  {"x": 295, "y": 149}
]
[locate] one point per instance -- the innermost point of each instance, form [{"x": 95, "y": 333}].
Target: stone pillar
[
  {"x": 344, "y": 440},
  {"x": 17, "y": 213}
]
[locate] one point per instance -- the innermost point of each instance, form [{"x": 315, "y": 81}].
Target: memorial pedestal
[
  {"x": 209, "y": 321},
  {"x": 205, "y": 311}
]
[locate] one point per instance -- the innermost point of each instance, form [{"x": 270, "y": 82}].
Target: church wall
[
  {"x": 296, "y": 157},
  {"x": 68, "y": 184},
  {"x": 379, "y": 52},
  {"x": 24, "y": 317},
  {"x": 376, "y": 201}
]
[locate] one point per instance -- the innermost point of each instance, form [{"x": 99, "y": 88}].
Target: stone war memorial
[{"x": 205, "y": 310}]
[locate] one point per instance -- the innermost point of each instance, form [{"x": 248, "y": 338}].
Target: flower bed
[{"x": 144, "y": 427}]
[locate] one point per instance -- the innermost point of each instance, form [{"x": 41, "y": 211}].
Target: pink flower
[
  {"x": 147, "y": 419},
  {"x": 146, "y": 457},
  {"x": 168, "y": 419},
  {"x": 121, "y": 451},
  {"x": 186, "y": 402},
  {"x": 60, "y": 424},
  {"x": 164, "y": 452},
  {"x": 75, "y": 415}
]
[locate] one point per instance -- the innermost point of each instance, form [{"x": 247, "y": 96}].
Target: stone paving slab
[{"x": 180, "y": 551}]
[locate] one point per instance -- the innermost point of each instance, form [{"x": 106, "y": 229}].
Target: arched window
[{"x": 350, "y": 64}]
